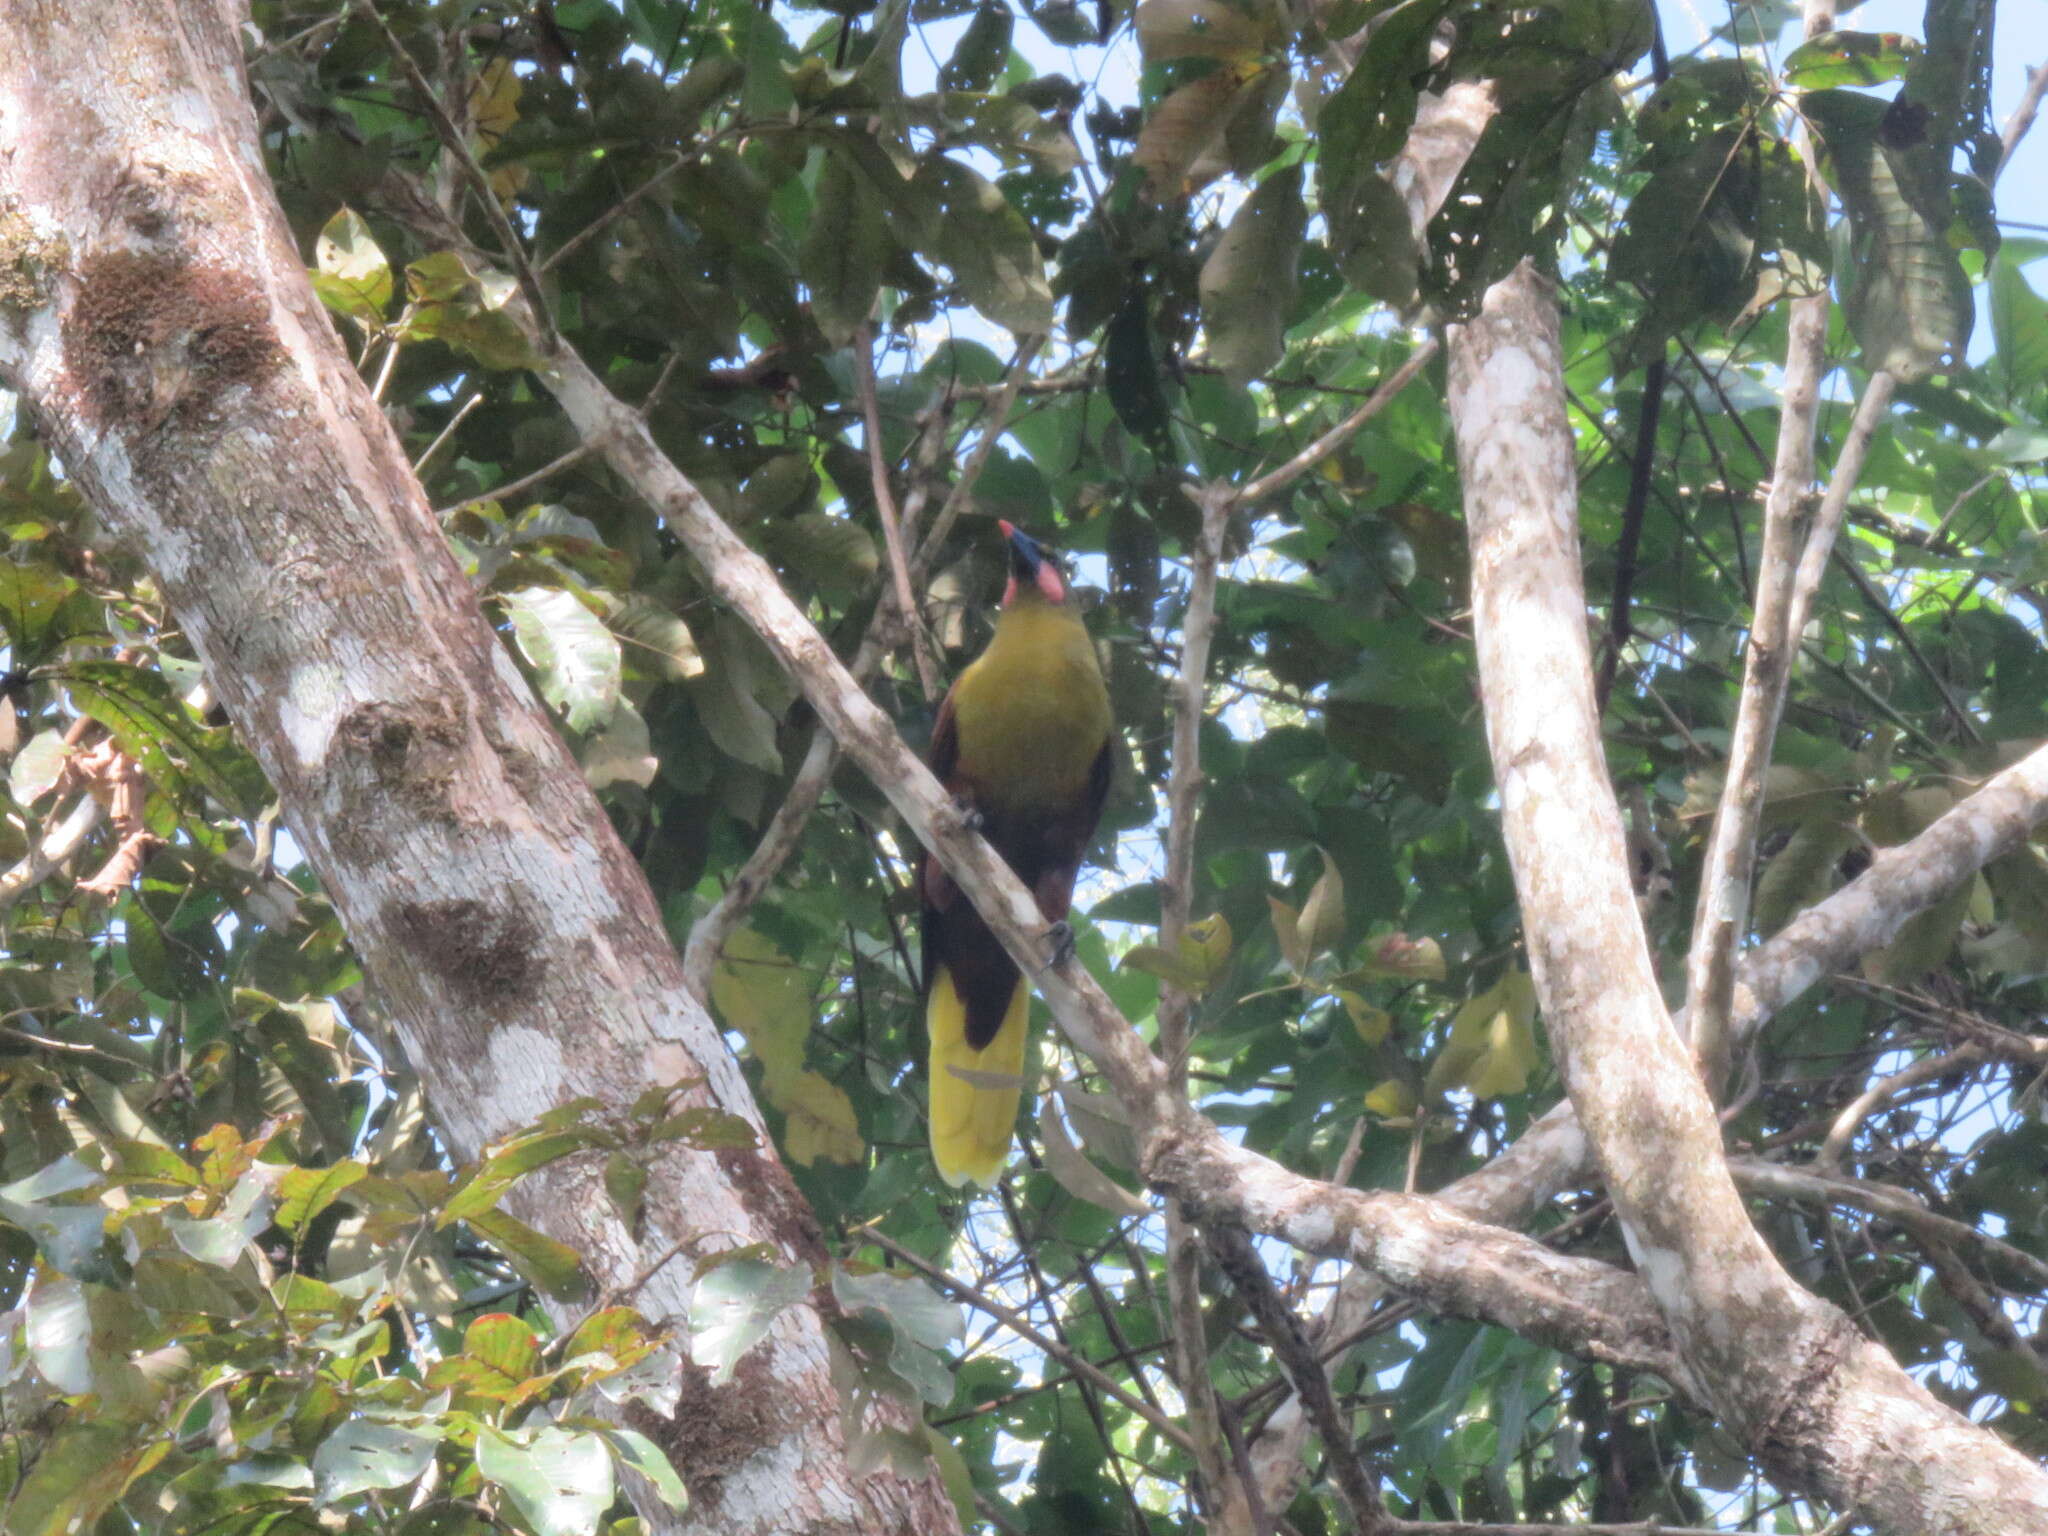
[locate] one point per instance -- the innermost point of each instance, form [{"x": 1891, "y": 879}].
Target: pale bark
[
  {"x": 1720, "y": 916},
  {"x": 1824, "y": 1409},
  {"x": 160, "y": 326}
]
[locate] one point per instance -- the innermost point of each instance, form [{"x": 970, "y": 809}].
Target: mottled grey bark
[
  {"x": 158, "y": 322},
  {"x": 1823, "y": 1408}
]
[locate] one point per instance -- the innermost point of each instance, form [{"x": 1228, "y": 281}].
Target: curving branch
[
  {"x": 1793, "y": 1381},
  {"x": 58, "y": 844}
]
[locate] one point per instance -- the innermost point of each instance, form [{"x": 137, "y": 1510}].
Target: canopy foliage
[{"x": 247, "y": 1284}]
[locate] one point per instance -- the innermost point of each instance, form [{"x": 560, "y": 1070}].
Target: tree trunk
[
  {"x": 1820, "y": 1405},
  {"x": 158, "y": 322}
]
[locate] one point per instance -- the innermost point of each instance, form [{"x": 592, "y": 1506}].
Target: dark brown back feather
[{"x": 1044, "y": 849}]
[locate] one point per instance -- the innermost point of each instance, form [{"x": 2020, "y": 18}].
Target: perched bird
[{"x": 1022, "y": 741}]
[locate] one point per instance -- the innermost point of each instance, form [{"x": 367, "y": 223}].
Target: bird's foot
[
  {"x": 1061, "y": 937},
  {"x": 971, "y": 819}
]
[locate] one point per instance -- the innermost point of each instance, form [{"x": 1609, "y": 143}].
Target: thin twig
[
  {"x": 1782, "y": 608},
  {"x": 453, "y": 141},
  {"x": 1232, "y": 1249},
  {"x": 604, "y": 220},
  {"x": 562, "y": 461},
  {"x": 2022, "y": 117},
  {"x": 1343, "y": 432},
  {"x": 1619, "y": 628},
  {"x": 1871, "y": 595},
  {"x": 1077, "y": 1366},
  {"x": 996, "y": 423},
  {"x": 885, "y": 508},
  {"x": 1889, "y": 1203},
  {"x": 1721, "y": 911},
  {"x": 419, "y": 465},
  {"x": 1829, "y": 1159},
  {"x": 48, "y": 856}
]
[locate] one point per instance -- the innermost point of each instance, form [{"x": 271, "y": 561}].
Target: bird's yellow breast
[{"x": 1032, "y": 712}]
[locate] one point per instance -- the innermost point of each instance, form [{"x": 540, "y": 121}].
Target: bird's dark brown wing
[
  {"x": 937, "y": 895},
  {"x": 1063, "y": 843},
  {"x": 1044, "y": 850}
]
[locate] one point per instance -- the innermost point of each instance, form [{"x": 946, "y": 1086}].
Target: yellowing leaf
[
  {"x": 758, "y": 991},
  {"x": 1154, "y": 961},
  {"x": 1322, "y": 915},
  {"x": 821, "y": 1119},
  {"x": 1287, "y": 927},
  {"x": 494, "y": 101},
  {"x": 1203, "y": 952},
  {"x": 1180, "y": 148},
  {"x": 1392, "y": 1100},
  {"x": 1492, "y": 1045},
  {"x": 1206, "y": 945},
  {"x": 1371, "y": 1023},
  {"x": 350, "y": 273},
  {"x": 1204, "y": 29}
]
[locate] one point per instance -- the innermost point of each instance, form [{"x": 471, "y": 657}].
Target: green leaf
[
  {"x": 561, "y": 1480},
  {"x": 732, "y": 1307},
  {"x": 968, "y": 224},
  {"x": 835, "y": 555},
  {"x": 984, "y": 48},
  {"x": 1849, "y": 58},
  {"x": 640, "y": 1455},
  {"x": 2019, "y": 324},
  {"x": 304, "y": 1193},
  {"x": 921, "y": 1322},
  {"x": 152, "y": 725},
  {"x": 625, "y": 1185},
  {"x": 465, "y": 309},
  {"x": 40, "y": 609},
  {"x": 845, "y": 247},
  {"x": 574, "y": 656},
  {"x": 37, "y": 766},
  {"x": 554, "y": 1267},
  {"x": 499, "y": 1171},
  {"x": 1373, "y": 238},
  {"x": 1080, "y": 1178},
  {"x": 165, "y": 962},
  {"x": 78, "y": 1472},
  {"x": 1248, "y": 282},
  {"x": 1690, "y": 239},
  {"x": 58, "y": 1331},
  {"x": 350, "y": 274},
  {"x": 366, "y": 1454},
  {"x": 1905, "y": 293},
  {"x": 503, "y": 1347},
  {"x": 1131, "y": 371},
  {"x": 652, "y": 635}
]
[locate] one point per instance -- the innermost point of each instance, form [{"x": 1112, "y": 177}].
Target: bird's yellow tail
[{"x": 973, "y": 1093}]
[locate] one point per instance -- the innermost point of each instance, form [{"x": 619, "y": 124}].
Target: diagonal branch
[{"x": 708, "y": 935}]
